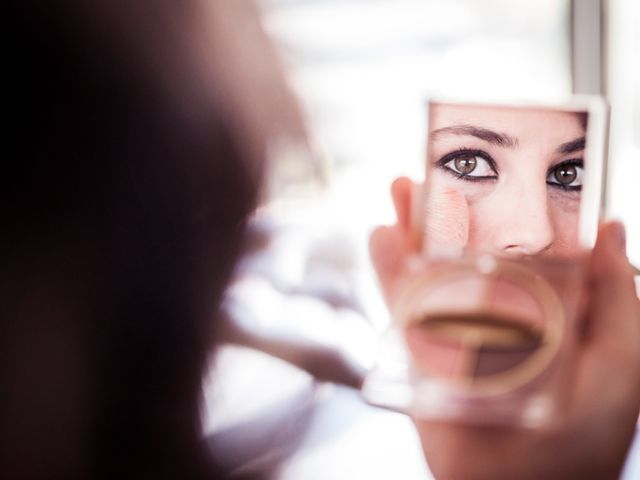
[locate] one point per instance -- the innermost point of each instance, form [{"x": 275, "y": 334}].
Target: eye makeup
[
  {"x": 567, "y": 175},
  {"x": 474, "y": 165},
  {"x": 469, "y": 164}
]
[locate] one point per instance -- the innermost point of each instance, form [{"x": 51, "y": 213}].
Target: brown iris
[
  {"x": 566, "y": 174},
  {"x": 465, "y": 164}
]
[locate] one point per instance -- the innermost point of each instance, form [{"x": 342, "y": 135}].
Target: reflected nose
[{"x": 524, "y": 226}]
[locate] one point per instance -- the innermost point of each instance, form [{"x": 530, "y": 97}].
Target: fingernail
[{"x": 621, "y": 236}]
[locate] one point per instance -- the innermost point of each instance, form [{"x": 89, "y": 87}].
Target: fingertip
[
  {"x": 386, "y": 252},
  {"x": 610, "y": 249},
  {"x": 619, "y": 233},
  {"x": 376, "y": 239},
  {"x": 381, "y": 243},
  {"x": 614, "y": 235},
  {"x": 613, "y": 309},
  {"x": 400, "y": 185},
  {"x": 610, "y": 266},
  {"x": 401, "y": 190}
]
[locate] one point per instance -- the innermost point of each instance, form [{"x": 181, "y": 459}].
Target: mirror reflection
[{"x": 504, "y": 180}]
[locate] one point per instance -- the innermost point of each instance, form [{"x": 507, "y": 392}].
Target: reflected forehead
[
  {"x": 488, "y": 135},
  {"x": 513, "y": 124}
]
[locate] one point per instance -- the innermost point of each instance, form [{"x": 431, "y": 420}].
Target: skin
[
  {"x": 516, "y": 204},
  {"x": 602, "y": 408}
]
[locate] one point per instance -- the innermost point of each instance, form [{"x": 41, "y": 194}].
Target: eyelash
[{"x": 578, "y": 162}]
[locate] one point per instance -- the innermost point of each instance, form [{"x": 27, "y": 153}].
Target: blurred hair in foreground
[{"x": 137, "y": 139}]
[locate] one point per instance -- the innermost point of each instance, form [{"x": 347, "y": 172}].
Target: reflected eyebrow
[
  {"x": 494, "y": 138},
  {"x": 572, "y": 146}
]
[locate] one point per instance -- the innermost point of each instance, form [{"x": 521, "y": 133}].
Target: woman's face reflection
[{"x": 519, "y": 171}]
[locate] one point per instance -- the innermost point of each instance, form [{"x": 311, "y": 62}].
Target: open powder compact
[{"x": 484, "y": 328}]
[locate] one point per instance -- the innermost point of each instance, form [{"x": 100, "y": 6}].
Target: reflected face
[{"x": 518, "y": 172}]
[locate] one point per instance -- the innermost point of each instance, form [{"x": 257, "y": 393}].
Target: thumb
[
  {"x": 389, "y": 245},
  {"x": 614, "y": 310},
  {"x": 401, "y": 193},
  {"x": 386, "y": 247}
]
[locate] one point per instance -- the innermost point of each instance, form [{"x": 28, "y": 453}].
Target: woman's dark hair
[{"x": 124, "y": 200}]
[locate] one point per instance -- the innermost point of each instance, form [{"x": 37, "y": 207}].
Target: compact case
[{"x": 478, "y": 337}]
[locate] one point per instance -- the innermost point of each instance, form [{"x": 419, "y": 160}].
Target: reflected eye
[
  {"x": 465, "y": 164},
  {"x": 566, "y": 175},
  {"x": 469, "y": 165}
]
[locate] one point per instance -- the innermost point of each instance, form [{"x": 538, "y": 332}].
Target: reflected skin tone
[{"x": 519, "y": 170}]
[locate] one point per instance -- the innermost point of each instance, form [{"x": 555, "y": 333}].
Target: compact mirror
[
  {"x": 512, "y": 181},
  {"x": 510, "y": 204}
]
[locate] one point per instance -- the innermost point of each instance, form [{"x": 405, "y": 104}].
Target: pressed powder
[{"x": 485, "y": 330}]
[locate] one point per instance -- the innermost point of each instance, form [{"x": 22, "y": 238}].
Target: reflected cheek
[
  {"x": 565, "y": 215},
  {"x": 472, "y": 191},
  {"x": 477, "y": 196},
  {"x": 486, "y": 214}
]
